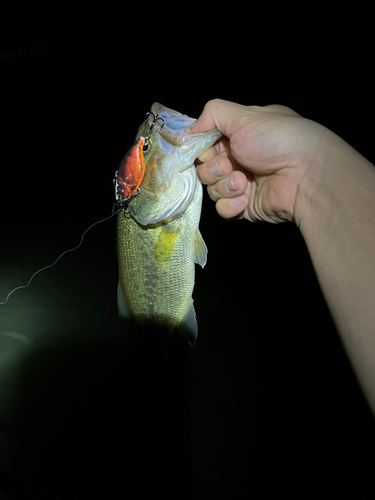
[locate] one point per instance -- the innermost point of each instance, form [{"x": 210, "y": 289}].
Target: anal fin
[
  {"x": 188, "y": 328},
  {"x": 123, "y": 311}
]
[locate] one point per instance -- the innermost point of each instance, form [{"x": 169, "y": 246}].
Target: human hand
[
  {"x": 255, "y": 169},
  {"x": 285, "y": 167}
]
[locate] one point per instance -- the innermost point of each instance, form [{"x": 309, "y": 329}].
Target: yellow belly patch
[{"x": 165, "y": 244}]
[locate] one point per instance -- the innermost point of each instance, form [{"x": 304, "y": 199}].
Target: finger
[
  {"x": 219, "y": 166},
  {"x": 219, "y": 148},
  {"x": 229, "y": 187},
  {"x": 232, "y": 208},
  {"x": 204, "y": 122},
  {"x": 220, "y": 114},
  {"x": 207, "y": 155},
  {"x": 278, "y": 108}
]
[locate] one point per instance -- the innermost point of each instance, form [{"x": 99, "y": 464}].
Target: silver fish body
[{"x": 158, "y": 240}]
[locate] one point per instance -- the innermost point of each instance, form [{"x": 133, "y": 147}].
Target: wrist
[{"x": 320, "y": 185}]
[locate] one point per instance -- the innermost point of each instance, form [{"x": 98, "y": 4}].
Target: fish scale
[
  {"x": 158, "y": 240},
  {"x": 157, "y": 291}
]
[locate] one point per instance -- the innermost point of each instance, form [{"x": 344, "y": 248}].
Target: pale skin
[{"x": 274, "y": 165}]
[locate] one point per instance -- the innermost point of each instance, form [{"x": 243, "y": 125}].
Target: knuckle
[
  {"x": 199, "y": 170},
  {"x": 212, "y": 103},
  {"x": 202, "y": 173},
  {"x": 219, "y": 190},
  {"x": 207, "y": 155},
  {"x": 240, "y": 180},
  {"x": 212, "y": 192}
]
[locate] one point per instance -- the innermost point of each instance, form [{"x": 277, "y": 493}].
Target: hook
[{"x": 155, "y": 119}]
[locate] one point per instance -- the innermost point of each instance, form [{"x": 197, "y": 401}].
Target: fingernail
[
  {"x": 215, "y": 170},
  {"x": 237, "y": 201},
  {"x": 229, "y": 185}
]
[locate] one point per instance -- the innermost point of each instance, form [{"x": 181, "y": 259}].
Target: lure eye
[{"x": 145, "y": 146}]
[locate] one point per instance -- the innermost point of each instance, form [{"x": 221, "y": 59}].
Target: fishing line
[{"x": 59, "y": 257}]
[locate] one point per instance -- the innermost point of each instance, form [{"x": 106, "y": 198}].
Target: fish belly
[{"x": 156, "y": 265}]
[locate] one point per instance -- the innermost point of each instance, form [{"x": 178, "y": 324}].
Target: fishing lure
[{"x": 131, "y": 172}]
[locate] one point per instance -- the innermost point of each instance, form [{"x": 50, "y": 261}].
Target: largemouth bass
[{"x": 158, "y": 240}]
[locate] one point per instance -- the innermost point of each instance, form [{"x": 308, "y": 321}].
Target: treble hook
[{"x": 155, "y": 119}]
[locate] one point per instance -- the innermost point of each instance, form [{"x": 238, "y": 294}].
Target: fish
[{"x": 158, "y": 239}]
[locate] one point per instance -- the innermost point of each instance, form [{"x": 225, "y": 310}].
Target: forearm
[{"x": 337, "y": 221}]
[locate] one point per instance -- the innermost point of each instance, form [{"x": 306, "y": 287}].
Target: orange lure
[{"x": 130, "y": 174}]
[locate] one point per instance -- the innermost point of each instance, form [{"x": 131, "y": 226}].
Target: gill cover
[{"x": 170, "y": 179}]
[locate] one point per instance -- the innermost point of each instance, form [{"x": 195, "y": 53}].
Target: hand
[
  {"x": 285, "y": 167},
  {"x": 254, "y": 170}
]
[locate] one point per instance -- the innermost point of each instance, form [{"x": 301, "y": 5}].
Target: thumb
[{"x": 218, "y": 113}]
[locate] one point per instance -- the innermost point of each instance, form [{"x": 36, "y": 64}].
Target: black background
[{"x": 266, "y": 403}]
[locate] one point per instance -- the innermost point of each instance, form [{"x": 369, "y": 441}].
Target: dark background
[{"x": 266, "y": 403}]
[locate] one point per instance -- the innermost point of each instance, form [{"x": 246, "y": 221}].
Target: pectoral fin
[
  {"x": 200, "y": 249},
  {"x": 188, "y": 328}
]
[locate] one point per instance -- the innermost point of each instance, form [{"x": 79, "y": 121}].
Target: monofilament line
[{"x": 58, "y": 258}]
